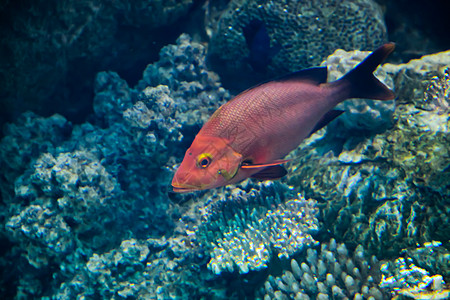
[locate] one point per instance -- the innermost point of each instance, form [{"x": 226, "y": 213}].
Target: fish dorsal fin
[
  {"x": 327, "y": 118},
  {"x": 312, "y": 75},
  {"x": 272, "y": 172}
]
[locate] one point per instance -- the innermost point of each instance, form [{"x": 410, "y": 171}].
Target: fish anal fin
[
  {"x": 327, "y": 118},
  {"x": 272, "y": 172},
  {"x": 256, "y": 166}
]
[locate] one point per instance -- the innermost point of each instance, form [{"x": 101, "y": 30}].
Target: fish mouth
[{"x": 183, "y": 190}]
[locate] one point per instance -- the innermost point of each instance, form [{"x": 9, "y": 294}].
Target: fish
[
  {"x": 258, "y": 43},
  {"x": 249, "y": 136}
]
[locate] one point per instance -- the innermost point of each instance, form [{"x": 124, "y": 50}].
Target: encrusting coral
[{"x": 437, "y": 95}]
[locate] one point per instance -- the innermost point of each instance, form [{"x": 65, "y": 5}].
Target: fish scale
[{"x": 270, "y": 114}]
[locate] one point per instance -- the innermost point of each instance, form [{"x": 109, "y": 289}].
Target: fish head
[{"x": 209, "y": 163}]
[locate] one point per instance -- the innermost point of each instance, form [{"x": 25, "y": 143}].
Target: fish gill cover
[{"x": 85, "y": 210}]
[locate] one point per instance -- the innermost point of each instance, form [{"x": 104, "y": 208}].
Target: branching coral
[{"x": 330, "y": 273}]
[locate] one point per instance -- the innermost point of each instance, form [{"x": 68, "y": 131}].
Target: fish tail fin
[{"x": 363, "y": 84}]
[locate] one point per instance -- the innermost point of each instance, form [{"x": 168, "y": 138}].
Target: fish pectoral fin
[
  {"x": 272, "y": 172},
  {"x": 227, "y": 175},
  {"x": 254, "y": 166}
]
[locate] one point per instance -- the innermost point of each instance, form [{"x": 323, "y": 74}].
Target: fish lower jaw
[{"x": 185, "y": 188}]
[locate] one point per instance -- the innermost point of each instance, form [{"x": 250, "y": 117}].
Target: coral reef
[
  {"x": 176, "y": 267},
  {"x": 244, "y": 231},
  {"x": 71, "y": 190},
  {"x": 308, "y": 32},
  {"x": 85, "y": 209},
  {"x": 45, "y": 234},
  {"x": 146, "y": 125},
  {"x": 330, "y": 273},
  {"x": 129, "y": 255},
  {"x": 334, "y": 272},
  {"x": 413, "y": 78},
  {"x": 143, "y": 269},
  {"x": 196, "y": 90},
  {"x": 85, "y": 189}
]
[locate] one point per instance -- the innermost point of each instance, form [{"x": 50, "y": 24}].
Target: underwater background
[{"x": 99, "y": 101}]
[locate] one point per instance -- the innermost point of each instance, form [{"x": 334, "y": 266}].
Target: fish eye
[{"x": 204, "y": 160}]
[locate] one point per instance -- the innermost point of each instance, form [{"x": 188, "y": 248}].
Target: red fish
[{"x": 251, "y": 134}]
